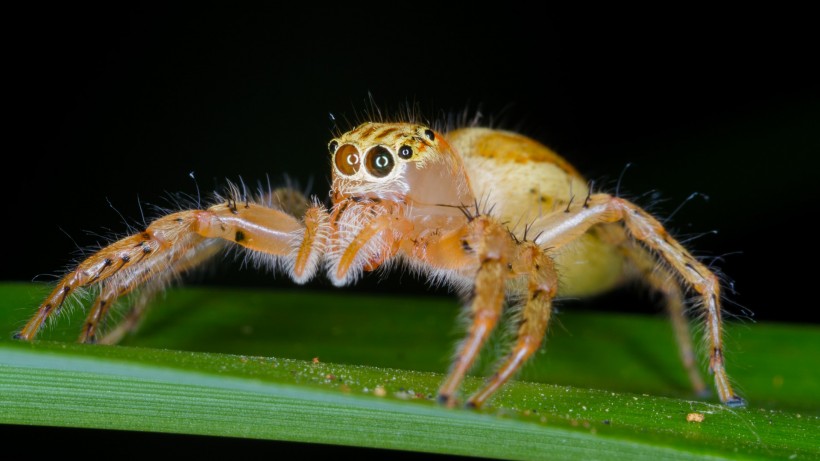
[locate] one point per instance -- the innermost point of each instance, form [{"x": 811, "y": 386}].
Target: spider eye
[
  {"x": 405, "y": 152},
  {"x": 430, "y": 135},
  {"x": 379, "y": 161},
  {"x": 347, "y": 159},
  {"x": 332, "y": 146}
]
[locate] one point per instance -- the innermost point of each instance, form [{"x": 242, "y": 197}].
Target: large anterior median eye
[
  {"x": 347, "y": 160},
  {"x": 379, "y": 161}
]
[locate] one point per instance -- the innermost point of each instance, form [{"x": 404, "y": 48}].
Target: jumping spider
[{"x": 404, "y": 192}]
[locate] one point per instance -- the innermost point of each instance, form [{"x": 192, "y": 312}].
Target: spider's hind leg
[
  {"x": 662, "y": 281},
  {"x": 562, "y": 228}
]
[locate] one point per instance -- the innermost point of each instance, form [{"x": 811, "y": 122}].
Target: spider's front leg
[
  {"x": 499, "y": 257},
  {"x": 542, "y": 286},
  {"x": 148, "y": 289},
  {"x": 178, "y": 241},
  {"x": 560, "y": 228},
  {"x": 363, "y": 244}
]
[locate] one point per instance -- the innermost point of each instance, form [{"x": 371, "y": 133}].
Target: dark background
[{"x": 119, "y": 106}]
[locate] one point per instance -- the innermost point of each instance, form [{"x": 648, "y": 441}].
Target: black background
[{"x": 119, "y": 106}]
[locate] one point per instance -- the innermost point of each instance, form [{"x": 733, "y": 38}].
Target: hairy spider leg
[
  {"x": 138, "y": 258},
  {"x": 662, "y": 281},
  {"x": 487, "y": 247},
  {"x": 542, "y": 285},
  {"x": 492, "y": 247},
  {"x": 287, "y": 199},
  {"x": 561, "y": 228},
  {"x": 148, "y": 289}
]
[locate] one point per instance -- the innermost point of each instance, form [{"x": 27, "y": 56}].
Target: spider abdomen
[{"x": 522, "y": 180}]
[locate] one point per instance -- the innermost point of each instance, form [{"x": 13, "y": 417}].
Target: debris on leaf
[{"x": 695, "y": 418}]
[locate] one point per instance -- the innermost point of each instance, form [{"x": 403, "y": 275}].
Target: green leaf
[{"x": 211, "y": 362}]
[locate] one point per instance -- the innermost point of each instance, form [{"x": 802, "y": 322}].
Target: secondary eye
[
  {"x": 430, "y": 135},
  {"x": 405, "y": 152},
  {"x": 347, "y": 160},
  {"x": 379, "y": 161},
  {"x": 332, "y": 146}
]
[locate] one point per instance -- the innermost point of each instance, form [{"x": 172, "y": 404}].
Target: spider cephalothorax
[
  {"x": 488, "y": 211},
  {"x": 398, "y": 161}
]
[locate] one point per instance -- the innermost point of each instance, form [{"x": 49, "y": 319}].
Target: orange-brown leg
[
  {"x": 286, "y": 199},
  {"x": 119, "y": 261},
  {"x": 560, "y": 228},
  {"x": 135, "y": 259},
  {"x": 492, "y": 246},
  {"x": 386, "y": 229},
  {"x": 535, "y": 316},
  {"x": 148, "y": 291},
  {"x": 158, "y": 274},
  {"x": 98, "y": 313},
  {"x": 133, "y": 317},
  {"x": 662, "y": 281}
]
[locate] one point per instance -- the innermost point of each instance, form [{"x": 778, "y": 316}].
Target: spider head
[{"x": 394, "y": 161}]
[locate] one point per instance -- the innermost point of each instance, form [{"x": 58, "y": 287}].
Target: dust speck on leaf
[{"x": 695, "y": 418}]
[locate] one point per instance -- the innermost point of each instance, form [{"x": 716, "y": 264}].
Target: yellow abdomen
[{"x": 523, "y": 180}]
